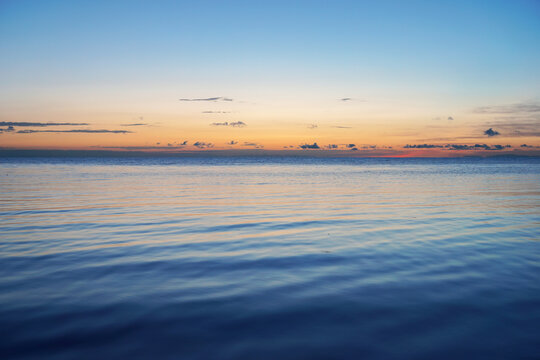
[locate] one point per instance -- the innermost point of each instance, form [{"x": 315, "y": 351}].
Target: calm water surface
[{"x": 269, "y": 258}]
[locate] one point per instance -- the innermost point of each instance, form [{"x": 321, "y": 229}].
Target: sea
[{"x": 269, "y": 258}]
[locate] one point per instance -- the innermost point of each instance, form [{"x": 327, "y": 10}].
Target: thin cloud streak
[
  {"x": 214, "y": 99},
  {"x": 509, "y": 109},
  {"x": 38, "y": 124},
  {"x": 253, "y": 144},
  {"x": 233, "y": 124},
  {"x": 75, "y": 131}
]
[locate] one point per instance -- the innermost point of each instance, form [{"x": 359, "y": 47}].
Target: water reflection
[{"x": 288, "y": 258}]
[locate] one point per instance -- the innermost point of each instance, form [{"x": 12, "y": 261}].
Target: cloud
[
  {"x": 184, "y": 142},
  {"x": 341, "y": 127},
  {"x": 216, "y": 112},
  {"x": 526, "y": 146},
  {"x": 422, "y": 146},
  {"x": 522, "y": 128},
  {"x": 253, "y": 144},
  {"x": 37, "y": 124},
  {"x": 136, "y": 124},
  {"x": 524, "y": 107},
  {"x": 312, "y": 126},
  {"x": 141, "y": 147},
  {"x": 476, "y": 147},
  {"x": 233, "y": 124},
  {"x": 214, "y": 99},
  {"x": 345, "y": 99},
  {"x": 490, "y": 132},
  {"x": 331, "y": 146},
  {"x": 354, "y": 149},
  {"x": 350, "y": 145},
  {"x": 450, "y": 118},
  {"x": 238, "y": 124},
  {"x": 75, "y": 131},
  {"x": 232, "y": 142},
  {"x": 203, "y": 145},
  {"x": 368, "y": 147},
  {"x": 458, "y": 147},
  {"x": 308, "y": 146}
]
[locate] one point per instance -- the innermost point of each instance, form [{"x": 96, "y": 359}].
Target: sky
[{"x": 365, "y": 78}]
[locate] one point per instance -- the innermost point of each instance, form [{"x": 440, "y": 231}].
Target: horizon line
[{"x": 43, "y": 153}]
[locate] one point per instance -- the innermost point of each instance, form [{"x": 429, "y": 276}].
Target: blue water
[{"x": 269, "y": 258}]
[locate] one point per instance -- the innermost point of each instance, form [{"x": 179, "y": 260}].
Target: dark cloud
[
  {"x": 75, "y": 131},
  {"x": 450, "y": 118},
  {"x": 476, "y": 147},
  {"x": 310, "y": 146},
  {"x": 184, "y": 142},
  {"x": 422, "y": 146},
  {"x": 331, "y": 146},
  {"x": 350, "y": 145},
  {"x": 141, "y": 147},
  {"x": 238, "y": 124},
  {"x": 203, "y": 145},
  {"x": 232, "y": 142},
  {"x": 526, "y": 146},
  {"x": 216, "y": 112},
  {"x": 37, "y": 124},
  {"x": 354, "y": 149},
  {"x": 218, "y": 98},
  {"x": 312, "y": 126},
  {"x": 521, "y": 128},
  {"x": 490, "y": 132},
  {"x": 233, "y": 124},
  {"x": 509, "y": 109},
  {"x": 345, "y": 99},
  {"x": 136, "y": 124},
  {"x": 458, "y": 147},
  {"x": 368, "y": 147}
]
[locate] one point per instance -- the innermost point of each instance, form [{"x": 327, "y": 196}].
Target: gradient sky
[{"x": 380, "y": 75}]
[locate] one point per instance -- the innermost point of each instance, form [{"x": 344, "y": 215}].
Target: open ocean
[{"x": 269, "y": 258}]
